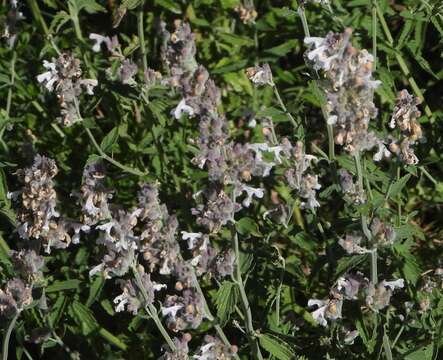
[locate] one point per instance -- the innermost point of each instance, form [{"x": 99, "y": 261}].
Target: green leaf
[
  {"x": 95, "y": 290},
  {"x": 63, "y": 285},
  {"x": 90, "y": 6},
  {"x": 276, "y": 346},
  {"x": 398, "y": 186},
  {"x": 247, "y": 226},
  {"x": 169, "y": 5},
  {"x": 423, "y": 353},
  {"x": 347, "y": 263},
  {"x": 226, "y": 299},
  {"x": 130, "y": 4},
  {"x": 276, "y": 114},
  {"x": 109, "y": 140},
  {"x": 84, "y": 317},
  {"x": 283, "y": 49}
]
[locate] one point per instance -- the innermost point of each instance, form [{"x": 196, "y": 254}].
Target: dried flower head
[
  {"x": 15, "y": 296},
  {"x": 247, "y": 12},
  {"x": 378, "y": 297},
  {"x": 299, "y": 175},
  {"x": 350, "y": 188},
  {"x": 382, "y": 234},
  {"x": 94, "y": 194},
  {"x": 405, "y": 117},
  {"x": 260, "y": 75},
  {"x": 214, "y": 348},
  {"x": 27, "y": 264},
  {"x": 182, "y": 349},
  {"x": 183, "y": 312},
  {"x": 38, "y": 198}
]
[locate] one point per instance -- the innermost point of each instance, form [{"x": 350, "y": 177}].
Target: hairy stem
[
  {"x": 141, "y": 36},
  {"x": 255, "y": 348},
  {"x": 283, "y": 106},
  {"x": 152, "y": 311},
  {"x": 5, "y": 348}
]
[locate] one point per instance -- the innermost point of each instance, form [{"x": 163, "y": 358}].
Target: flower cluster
[
  {"x": 64, "y": 77},
  {"x": 213, "y": 348},
  {"x": 405, "y": 117},
  {"x": 349, "y": 89},
  {"x": 37, "y": 215},
  {"x": 299, "y": 176}
]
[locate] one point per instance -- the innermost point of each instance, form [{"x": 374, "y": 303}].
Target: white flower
[
  {"x": 400, "y": 283},
  {"x": 99, "y": 39},
  {"x": 250, "y": 193},
  {"x": 183, "y": 108},
  {"x": 332, "y": 120},
  {"x": 171, "y": 311},
  {"x": 191, "y": 238},
  {"x": 49, "y": 77},
  {"x": 319, "y": 314},
  {"x": 89, "y": 84}
]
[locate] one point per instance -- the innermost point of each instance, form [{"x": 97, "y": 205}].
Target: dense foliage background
[{"x": 285, "y": 264}]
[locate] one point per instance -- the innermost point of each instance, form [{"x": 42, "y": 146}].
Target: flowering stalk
[
  {"x": 5, "y": 348},
  {"x": 152, "y": 311},
  {"x": 283, "y": 106}
]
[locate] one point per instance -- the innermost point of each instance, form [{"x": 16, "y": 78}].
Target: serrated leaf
[
  {"x": 170, "y": 5},
  {"x": 283, "y": 49},
  {"x": 109, "y": 140},
  {"x": 423, "y": 353},
  {"x": 226, "y": 299},
  {"x": 398, "y": 186},
  {"x": 276, "y": 346},
  {"x": 247, "y": 226},
  {"x": 347, "y": 263}
]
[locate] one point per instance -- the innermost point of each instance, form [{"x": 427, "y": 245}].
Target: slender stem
[
  {"x": 11, "y": 83},
  {"x": 152, "y": 311},
  {"x": 255, "y": 348},
  {"x": 283, "y": 106},
  {"x": 141, "y": 36},
  {"x": 364, "y": 222},
  {"x": 374, "y": 33},
  {"x": 110, "y": 159},
  {"x": 5, "y": 349},
  {"x": 36, "y": 13}
]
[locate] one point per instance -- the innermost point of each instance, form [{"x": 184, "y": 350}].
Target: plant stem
[
  {"x": 110, "y": 159},
  {"x": 152, "y": 311},
  {"x": 36, "y": 13},
  {"x": 208, "y": 313},
  {"x": 141, "y": 36},
  {"x": 374, "y": 33},
  {"x": 364, "y": 222},
  {"x": 283, "y": 106},
  {"x": 11, "y": 83},
  {"x": 255, "y": 348},
  {"x": 5, "y": 348}
]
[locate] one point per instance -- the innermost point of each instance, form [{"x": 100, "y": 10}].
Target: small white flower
[
  {"x": 89, "y": 84},
  {"x": 182, "y": 108},
  {"x": 319, "y": 314},
  {"x": 191, "y": 238},
  {"x": 171, "y": 311},
  {"x": 99, "y": 39},
  {"x": 250, "y": 193},
  {"x": 400, "y": 283},
  {"x": 49, "y": 77}
]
